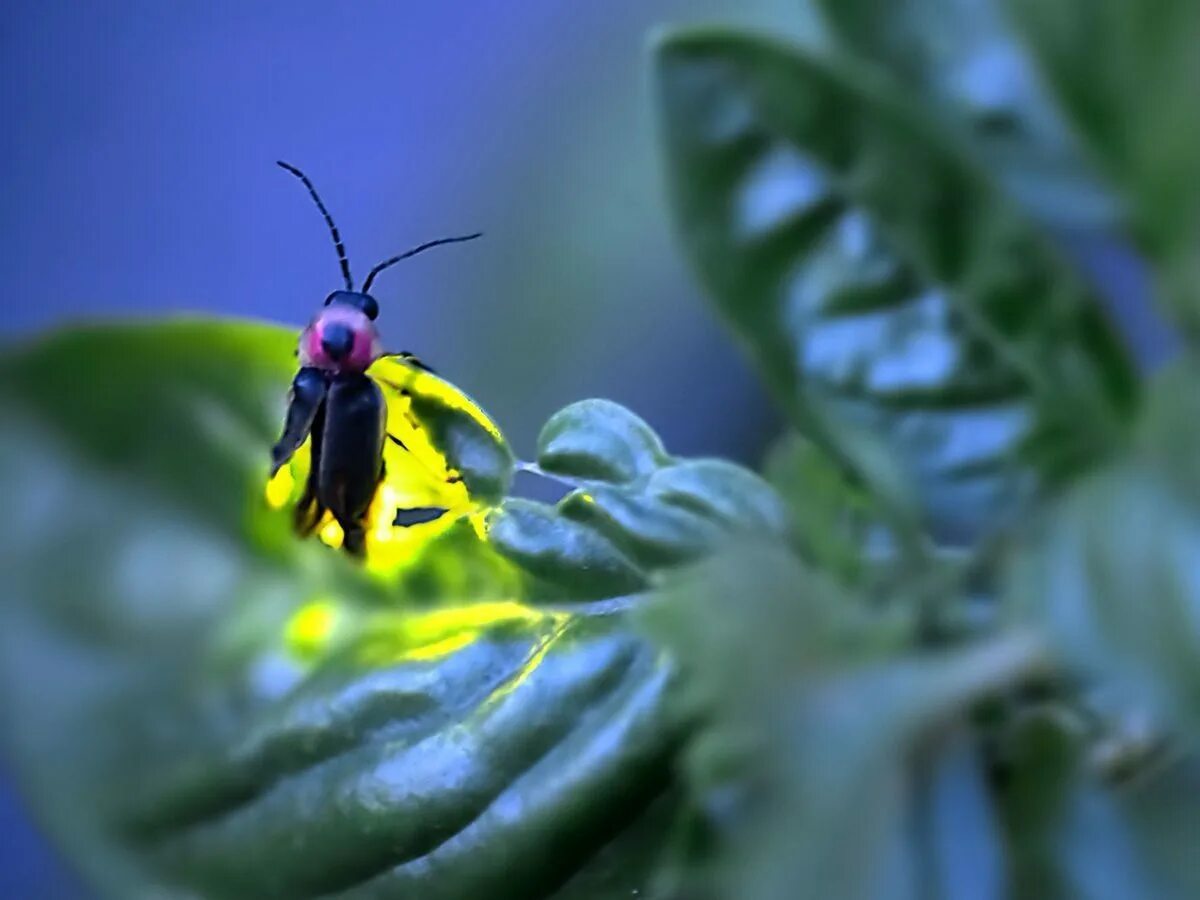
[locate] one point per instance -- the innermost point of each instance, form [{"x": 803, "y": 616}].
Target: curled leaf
[
  {"x": 635, "y": 509},
  {"x": 199, "y": 704},
  {"x": 907, "y": 314},
  {"x": 599, "y": 440},
  {"x": 560, "y": 551}
]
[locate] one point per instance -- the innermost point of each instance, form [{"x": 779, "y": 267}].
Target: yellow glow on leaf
[
  {"x": 438, "y": 649},
  {"x": 280, "y": 488},
  {"x": 479, "y": 522},
  {"x": 394, "y": 371},
  {"x": 391, "y": 548},
  {"x": 331, "y": 534},
  {"x": 308, "y": 630},
  {"x": 397, "y": 637},
  {"x": 416, "y": 476},
  {"x": 286, "y": 486},
  {"x": 561, "y": 622},
  {"x": 424, "y": 626}
]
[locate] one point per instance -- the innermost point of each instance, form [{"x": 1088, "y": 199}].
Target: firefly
[{"x": 336, "y": 403}]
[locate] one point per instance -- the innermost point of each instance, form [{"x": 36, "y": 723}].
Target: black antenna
[
  {"x": 337, "y": 238},
  {"x": 413, "y": 252}
]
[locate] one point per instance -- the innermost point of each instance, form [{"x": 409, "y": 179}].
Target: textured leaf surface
[
  {"x": 1128, "y": 76},
  {"x": 902, "y": 308},
  {"x": 830, "y": 762},
  {"x": 1069, "y": 835},
  {"x": 963, "y": 59},
  {"x": 634, "y": 509},
  {"x": 1112, "y": 574},
  {"x": 196, "y": 700},
  {"x": 837, "y": 526}
]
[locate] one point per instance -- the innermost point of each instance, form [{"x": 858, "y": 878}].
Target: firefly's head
[{"x": 343, "y": 338}]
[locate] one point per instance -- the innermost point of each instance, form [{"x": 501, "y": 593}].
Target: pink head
[{"x": 342, "y": 339}]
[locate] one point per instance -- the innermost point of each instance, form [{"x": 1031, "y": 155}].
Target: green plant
[
  {"x": 946, "y": 647},
  {"x": 199, "y": 700},
  {"x": 972, "y": 673}
]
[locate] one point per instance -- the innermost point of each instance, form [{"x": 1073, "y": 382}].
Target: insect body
[{"x": 337, "y": 404}]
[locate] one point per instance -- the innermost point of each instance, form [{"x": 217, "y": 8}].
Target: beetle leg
[
  {"x": 309, "y": 509},
  {"x": 304, "y": 401}
]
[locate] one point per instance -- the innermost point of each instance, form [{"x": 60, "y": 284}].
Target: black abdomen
[{"x": 351, "y": 459}]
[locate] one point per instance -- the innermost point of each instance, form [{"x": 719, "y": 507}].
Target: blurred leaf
[
  {"x": 753, "y": 619},
  {"x": 837, "y": 526},
  {"x": 906, "y": 313},
  {"x": 177, "y": 392},
  {"x": 962, "y": 57},
  {"x": 967, "y": 65},
  {"x": 1111, "y": 577},
  {"x": 822, "y": 762},
  {"x": 1067, "y": 834},
  {"x": 477, "y": 760},
  {"x": 634, "y": 510},
  {"x": 1162, "y": 809},
  {"x": 1111, "y": 574},
  {"x": 1128, "y": 75},
  {"x": 955, "y": 842},
  {"x": 199, "y": 704}
]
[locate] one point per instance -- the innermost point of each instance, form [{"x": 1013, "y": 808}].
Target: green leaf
[
  {"x": 635, "y": 509},
  {"x": 451, "y": 422},
  {"x": 962, "y": 58},
  {"x": 900, "y": 824},
  {"x": 1161, "y": 811},
  {"x": 904, "y": 310},
  {"x": 753, "y": 619},
  {"x": 657, "y": 534},
  {"x": 180, "y": 421},
  {"x": 560, "y": 551},
  {"x": 822, "y": 761},
  {"x": 1128, "y": 76},
  {"x": 956, "y": 844},
  {"x": 396, "y": 769},
  {"x": 600, "y": 440},
  {"x": 1110, "y": 577},
  {"x": 1068, "y": 835},
  {"x": 836, "y": 525},
  {"x": 1110, "y": 574},
  {"x": 199, "y": 704},
  {"x": 721, "y": 491}
]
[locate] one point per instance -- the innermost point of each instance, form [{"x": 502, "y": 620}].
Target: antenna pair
[{"x": 341, "y": 249}]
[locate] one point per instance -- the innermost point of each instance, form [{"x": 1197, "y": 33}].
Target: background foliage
[
  {"x": 948, "y": 650},
  {"x": 982, "y": 693}
]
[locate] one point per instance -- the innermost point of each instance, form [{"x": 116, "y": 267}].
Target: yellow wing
[{"x": 428, "y": 494}]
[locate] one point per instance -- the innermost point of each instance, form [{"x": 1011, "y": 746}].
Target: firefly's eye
[
  {"x": 364, "y": 303},
  {"x": 370, "y": 307}
]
